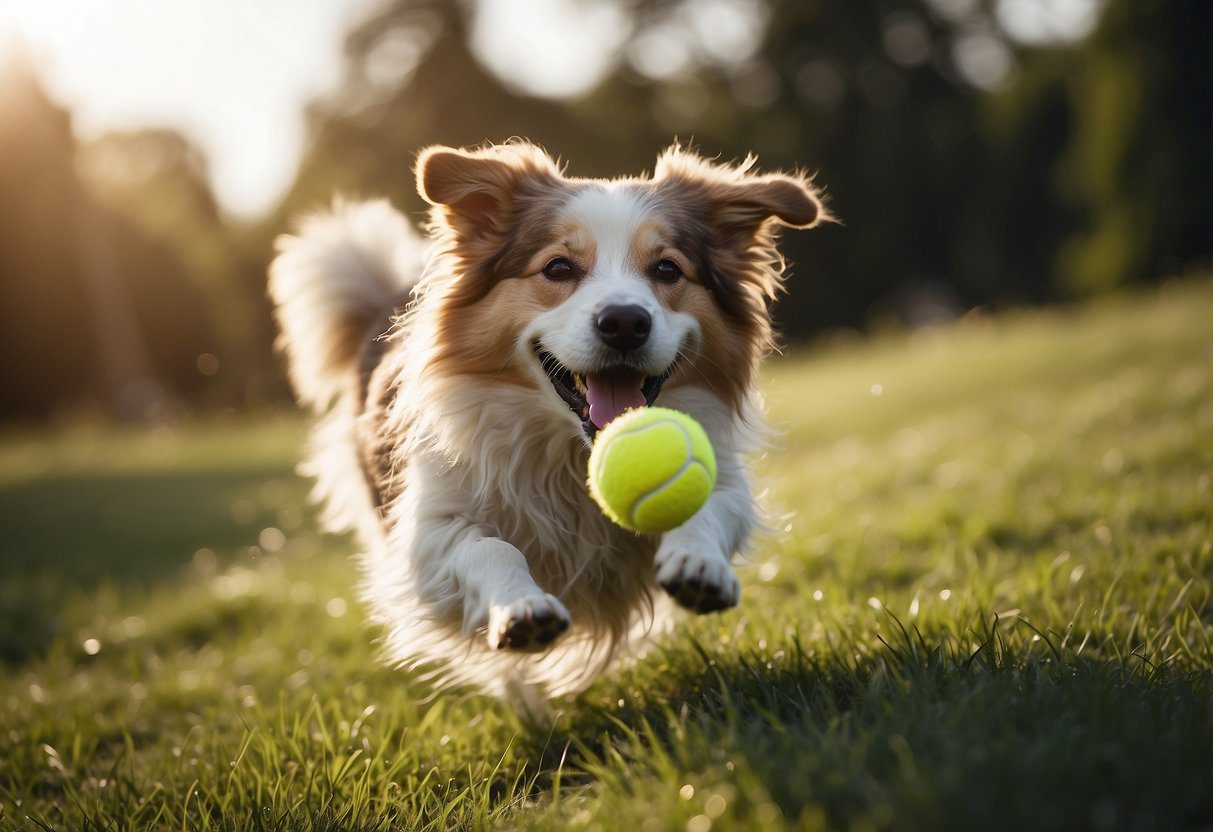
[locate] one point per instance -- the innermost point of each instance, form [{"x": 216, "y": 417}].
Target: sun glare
[
  {"x": 27, "y": 18},
  {"x": 235, "y": 82},
  {"x": 552, "y": 48}
]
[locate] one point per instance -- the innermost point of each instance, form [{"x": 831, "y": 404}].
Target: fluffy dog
[{"x": 461, "y": 379}]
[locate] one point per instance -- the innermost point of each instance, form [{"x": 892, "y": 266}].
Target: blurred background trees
[{"x": 979, "y": 153}]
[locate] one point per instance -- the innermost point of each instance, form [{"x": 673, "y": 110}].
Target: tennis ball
[{"x": 651, "y": 469}]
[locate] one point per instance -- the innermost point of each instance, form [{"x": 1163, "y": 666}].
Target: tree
[{"x": 96, "y": 312}]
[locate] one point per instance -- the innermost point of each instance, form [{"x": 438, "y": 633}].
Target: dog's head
[{"x": 599, "y": 294}]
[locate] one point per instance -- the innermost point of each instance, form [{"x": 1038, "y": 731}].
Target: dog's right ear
[{"x": 477, "y": 189}]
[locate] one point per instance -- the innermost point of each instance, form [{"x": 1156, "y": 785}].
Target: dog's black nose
[{"x": 624, "y": 328}]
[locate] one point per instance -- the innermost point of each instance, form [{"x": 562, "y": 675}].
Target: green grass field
[{"x": 987, "y": 604}]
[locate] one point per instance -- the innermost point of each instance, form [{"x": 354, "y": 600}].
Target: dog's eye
[
  {"x": 559, "y": 269},
  {"x": 667, "y": 271}
]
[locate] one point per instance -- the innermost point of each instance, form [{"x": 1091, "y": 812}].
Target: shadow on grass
[
  {"x": 908, "y": 735},
  {"x": 65, "y": 535}
]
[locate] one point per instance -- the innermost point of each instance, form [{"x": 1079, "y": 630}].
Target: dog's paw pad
[
  {"x": 699, "y": 584},
  {"x": 528, "y": 625}
]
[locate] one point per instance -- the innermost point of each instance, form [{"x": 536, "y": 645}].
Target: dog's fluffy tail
[
  {"x": 333, "y": 284},
  {"x": 343, "y": 270}
]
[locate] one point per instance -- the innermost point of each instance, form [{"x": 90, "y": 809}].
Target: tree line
[{"x": 970, "y": 168}]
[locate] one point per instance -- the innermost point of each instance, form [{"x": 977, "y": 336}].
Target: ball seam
[{"x": 682, "y": 469}]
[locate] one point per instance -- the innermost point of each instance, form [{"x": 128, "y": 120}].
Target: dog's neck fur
[{"x": 512, "y": 453}]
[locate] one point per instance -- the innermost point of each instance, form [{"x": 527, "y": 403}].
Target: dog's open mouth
[{"x": 599, "y": 397}]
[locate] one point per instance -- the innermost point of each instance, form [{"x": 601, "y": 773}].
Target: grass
[{"x": 988, "y": 603}]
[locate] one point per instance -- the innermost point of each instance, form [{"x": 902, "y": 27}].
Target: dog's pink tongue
[{"x": 611, "y": 393}]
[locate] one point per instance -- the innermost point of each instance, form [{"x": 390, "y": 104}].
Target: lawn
[{"x": 986, "y": 602}]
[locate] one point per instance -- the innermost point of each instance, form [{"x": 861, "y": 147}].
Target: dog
[{"x": 460, "y": 381}]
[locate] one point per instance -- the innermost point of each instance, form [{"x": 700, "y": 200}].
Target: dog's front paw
[
  {"x": 528, "y": 624},
  {"x": 699, "y": 583}
]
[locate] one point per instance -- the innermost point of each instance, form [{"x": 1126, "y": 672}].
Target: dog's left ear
[
  {"x": 477, "y": 189},
  {"x": 756, "y": 200},
  {"x": 739, "y": 203}
]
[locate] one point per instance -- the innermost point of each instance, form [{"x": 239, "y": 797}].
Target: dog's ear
[
  {"x": 745, "y": 206},
  {"x": 477, "y": 189},
  {"x": 738, "y": 203}
]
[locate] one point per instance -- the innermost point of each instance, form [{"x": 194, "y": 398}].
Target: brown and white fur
[{"x": 451, "y": 376}]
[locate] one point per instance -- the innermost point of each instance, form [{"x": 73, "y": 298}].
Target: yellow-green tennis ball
[{"x": 651, "y": 469}]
